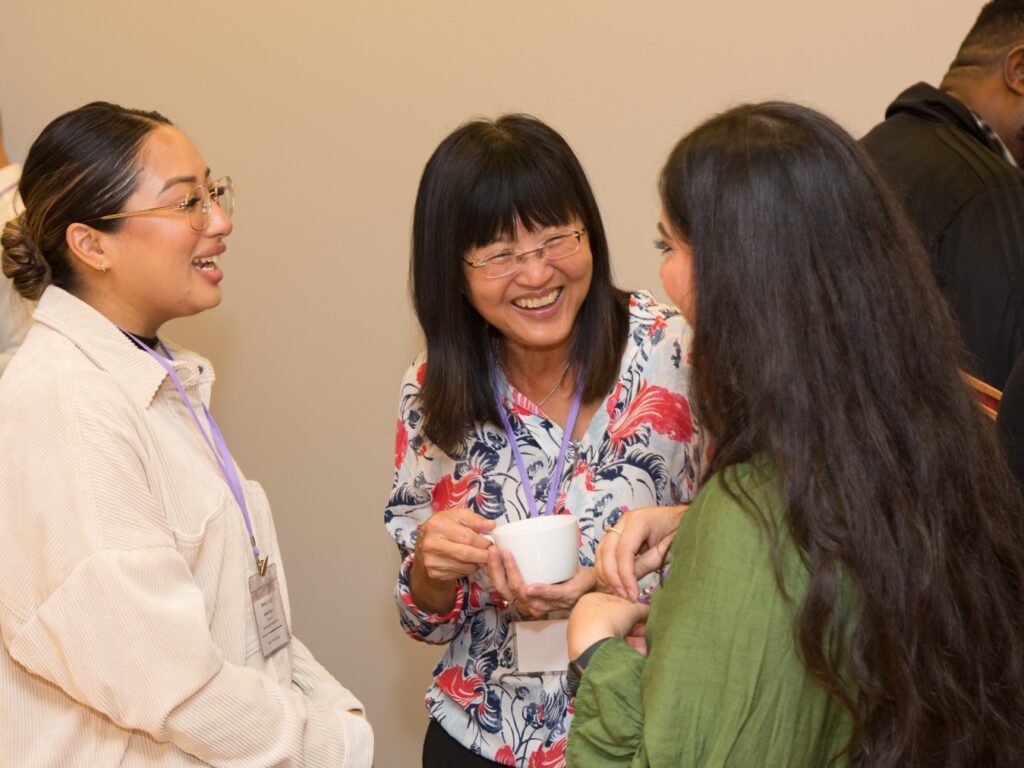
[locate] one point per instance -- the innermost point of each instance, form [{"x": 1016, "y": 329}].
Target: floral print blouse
[{"x": 642, "y": 448}]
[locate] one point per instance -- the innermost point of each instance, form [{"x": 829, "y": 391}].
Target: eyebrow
[{"x": 183, "y": 180}]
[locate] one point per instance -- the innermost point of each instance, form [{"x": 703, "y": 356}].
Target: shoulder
[
  {"x": 47, "y": 364},
  {"x": 410, "y": 410},
  {"x": 938, "y": 160},
  {"x": 653, "y": 325},
  {"x": 51, "y": 385},
  {"x": 647, "y": 316},
  {"x": 413, "y": 376},
  {"x": 735, "y": 507},
  {"x": 658, "y": 345}
]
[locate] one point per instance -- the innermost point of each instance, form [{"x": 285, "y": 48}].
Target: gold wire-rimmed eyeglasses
[
  {"x": 505, "y": 263},
  {"x": 197, "y": 204}
]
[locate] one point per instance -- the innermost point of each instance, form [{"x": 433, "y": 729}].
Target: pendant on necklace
[{"x": 558, "y": 383}]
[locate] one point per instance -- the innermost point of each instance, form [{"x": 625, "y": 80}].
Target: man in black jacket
[{"x": 953, "y": 155}]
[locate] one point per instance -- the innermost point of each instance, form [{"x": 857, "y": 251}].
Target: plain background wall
[{"x": 325, "y": 113}]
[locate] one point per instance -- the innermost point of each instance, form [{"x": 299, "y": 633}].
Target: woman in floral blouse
[{"x": 512, "y": 287}]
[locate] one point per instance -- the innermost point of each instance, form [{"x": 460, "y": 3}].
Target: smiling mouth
[
  {"x": 539, "y": 303},
  {"x": 205, "y": 263}
]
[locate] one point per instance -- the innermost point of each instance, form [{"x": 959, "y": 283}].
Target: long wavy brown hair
[{"x": 822, "y": 342}]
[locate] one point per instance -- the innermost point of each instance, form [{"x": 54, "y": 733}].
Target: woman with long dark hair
[
  {"x": 543, "y": 386},
  {"x": 143, "y": 604},
  {"x": 848, "y": 586}
]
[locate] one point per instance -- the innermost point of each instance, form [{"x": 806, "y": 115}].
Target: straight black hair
[{"x": 484, "y": 180}]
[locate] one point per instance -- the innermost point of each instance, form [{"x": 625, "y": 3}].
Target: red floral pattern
[
  {"x": 641, "y": 449},
  {"x": 401, "y": 443},
  {"x": 549, "y": 758},
  {"x": 464, "y": 690},
  {"x": 450, "y": 493},
  {"x": 667, "y": 413}
]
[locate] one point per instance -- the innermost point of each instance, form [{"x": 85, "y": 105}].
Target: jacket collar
[
  {"x": 110, "y": 350},
  {"x": 929, "y": 103}
]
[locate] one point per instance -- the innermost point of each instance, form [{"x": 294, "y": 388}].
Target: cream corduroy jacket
[{"x": 128, "y": 632}]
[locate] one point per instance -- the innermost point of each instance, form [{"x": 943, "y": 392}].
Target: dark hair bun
[{"x": 23, "y": 262}]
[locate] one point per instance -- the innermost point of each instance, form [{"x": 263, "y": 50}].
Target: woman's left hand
[
  {"x": 600, "y": 615},
  {"x": 535, "y": 599},
  {"x": 635, "y": 546}
]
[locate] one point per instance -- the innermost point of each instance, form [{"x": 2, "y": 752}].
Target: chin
[{"x": 197, "y": 305}]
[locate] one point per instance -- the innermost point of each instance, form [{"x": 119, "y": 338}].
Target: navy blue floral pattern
[{"x": 642, "y": 448}]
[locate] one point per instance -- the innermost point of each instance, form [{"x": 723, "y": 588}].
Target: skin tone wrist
[
  {"x": 431, "y": 595},
  {"x": 598, "y": 616}
]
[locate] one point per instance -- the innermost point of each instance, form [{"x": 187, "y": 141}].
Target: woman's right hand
[
  {"x": 635, "y": 546},
  {"x": 449, "y": 546}
]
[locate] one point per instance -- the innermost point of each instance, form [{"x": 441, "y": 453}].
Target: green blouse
[{"x": 722, "y": 684}]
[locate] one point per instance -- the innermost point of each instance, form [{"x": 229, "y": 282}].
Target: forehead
[{"x": 169, "y": 154}]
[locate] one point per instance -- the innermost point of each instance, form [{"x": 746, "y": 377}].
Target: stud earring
[{"x": 103, "y": 267}]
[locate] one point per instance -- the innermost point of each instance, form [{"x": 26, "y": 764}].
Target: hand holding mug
[
  {"x": 449, "y": 546},
  {"x": 539, "y": 599}
]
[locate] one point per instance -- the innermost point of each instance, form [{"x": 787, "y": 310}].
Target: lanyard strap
[
  {"x": 567, "y": 434},
  {"x": 218, "y": 447}
]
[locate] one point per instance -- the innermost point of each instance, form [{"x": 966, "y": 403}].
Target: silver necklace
[{"x": 558, "y": 383}]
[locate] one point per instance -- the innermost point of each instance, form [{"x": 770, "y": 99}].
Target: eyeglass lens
[
  {"x": 556, "y": 248},
  {"x": 201, "y": 199}
]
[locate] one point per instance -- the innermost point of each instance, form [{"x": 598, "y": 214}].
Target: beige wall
[{"x": 325, "y": 113}]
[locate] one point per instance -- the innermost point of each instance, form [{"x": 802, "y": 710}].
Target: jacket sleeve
[
  {"x": 104, "y": 606},
  {"x": 608, "y": 723},
  {"x": 980, "y": 264}
]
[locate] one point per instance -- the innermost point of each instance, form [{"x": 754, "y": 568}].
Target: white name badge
[
  {"x": 541, "y": 646},
  {"x": 268, "y": 608}
]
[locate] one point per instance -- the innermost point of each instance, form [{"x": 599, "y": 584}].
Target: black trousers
[{"x": 442, "y": 751}]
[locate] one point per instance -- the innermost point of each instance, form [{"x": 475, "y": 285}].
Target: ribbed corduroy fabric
[
  {"x": 128, "y": 632},
  {"x": 14, "y": 310}
]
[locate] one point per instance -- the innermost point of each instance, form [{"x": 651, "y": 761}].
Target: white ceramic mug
[{"x": 545, "y": 548}]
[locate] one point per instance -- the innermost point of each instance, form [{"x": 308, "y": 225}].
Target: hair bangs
[{"x": 518, "y": 190}]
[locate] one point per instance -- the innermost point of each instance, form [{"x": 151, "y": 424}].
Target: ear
[
  {"x": 85, "y": 247},
  {"x": 1013, "y": 70}
]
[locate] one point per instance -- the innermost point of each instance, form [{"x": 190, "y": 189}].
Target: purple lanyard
[
  {"x": 218, "y": 447},
  {"x": 569, "y": 424}
]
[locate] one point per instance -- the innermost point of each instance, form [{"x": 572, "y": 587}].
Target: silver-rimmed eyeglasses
[
  {"x": 197, "y": 204},
  {"x": 505, "y": 263}
]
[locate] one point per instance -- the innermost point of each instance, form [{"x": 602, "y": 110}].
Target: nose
[
  {"x": 219, "y": 224},
  {"x": 535, "y": 269}
]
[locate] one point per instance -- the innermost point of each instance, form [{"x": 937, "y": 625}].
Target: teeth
[
  {"x": 206, "y": 264},
  {"x": 543, "y": 301}
]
